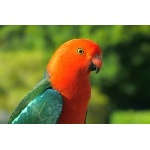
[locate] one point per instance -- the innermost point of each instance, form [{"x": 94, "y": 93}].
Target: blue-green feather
[
  {"x": 43, "y": 109},
  {"x": 41, "y": 105}
]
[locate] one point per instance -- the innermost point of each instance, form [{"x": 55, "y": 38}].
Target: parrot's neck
[{"x": 76, "y": 91}]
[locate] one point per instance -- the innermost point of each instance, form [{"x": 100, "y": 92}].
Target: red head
[{"x": 78, "y": 55}]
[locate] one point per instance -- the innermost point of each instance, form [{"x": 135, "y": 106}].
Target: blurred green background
[{"x": 120, "y": 92}]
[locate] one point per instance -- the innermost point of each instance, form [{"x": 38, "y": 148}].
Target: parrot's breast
[
  {"x": 75, "y": 105},
  {"x": 76, "y": 92}
]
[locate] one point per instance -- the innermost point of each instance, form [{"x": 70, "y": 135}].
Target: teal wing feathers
[
  {"x": 44, "y": 109},
  {"x": 41, "y": 89}
]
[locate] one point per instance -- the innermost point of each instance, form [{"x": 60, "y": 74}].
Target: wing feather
[
  {"x": 44, "y": 109},
  {"x": 40, "y": 89}
]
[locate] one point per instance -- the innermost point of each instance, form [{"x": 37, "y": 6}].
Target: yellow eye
[{"x": 80, "y": 51}]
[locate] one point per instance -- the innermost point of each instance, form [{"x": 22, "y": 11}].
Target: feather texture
[{"x": 41, "y": 105}]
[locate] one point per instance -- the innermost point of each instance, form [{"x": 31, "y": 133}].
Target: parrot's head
[{"x": 77, "y": 56}]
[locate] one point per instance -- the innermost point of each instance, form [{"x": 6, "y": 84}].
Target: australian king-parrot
[{"x": 63, "y": 94}]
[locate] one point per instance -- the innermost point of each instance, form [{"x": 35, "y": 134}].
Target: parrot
[{"x": 63, "y": 94}]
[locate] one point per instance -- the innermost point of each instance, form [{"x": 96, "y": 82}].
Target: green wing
[
  {"x": 40, "y": 88},
  {"x": 44, "y": 109}
]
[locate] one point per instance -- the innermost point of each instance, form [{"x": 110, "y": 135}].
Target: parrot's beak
[{"x": 96, "y": 64}]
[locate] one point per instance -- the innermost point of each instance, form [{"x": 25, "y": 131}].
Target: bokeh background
[{"x": 120, "y": 92}]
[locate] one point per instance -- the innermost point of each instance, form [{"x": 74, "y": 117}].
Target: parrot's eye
[{"x": 80, "y": 51}]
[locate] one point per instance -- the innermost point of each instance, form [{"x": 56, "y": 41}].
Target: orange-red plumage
[{"x": 69, "y": 74}]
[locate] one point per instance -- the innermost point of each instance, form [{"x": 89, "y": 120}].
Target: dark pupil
[{"x": 80, "y": 51}]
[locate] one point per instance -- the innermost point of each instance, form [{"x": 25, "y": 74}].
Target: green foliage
[
  {"x": 130, "y": 117},
  {"x": 129, "y": 84},
  {"x": 20, "y": 71},
  {"x": 123, "y": 82}
]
